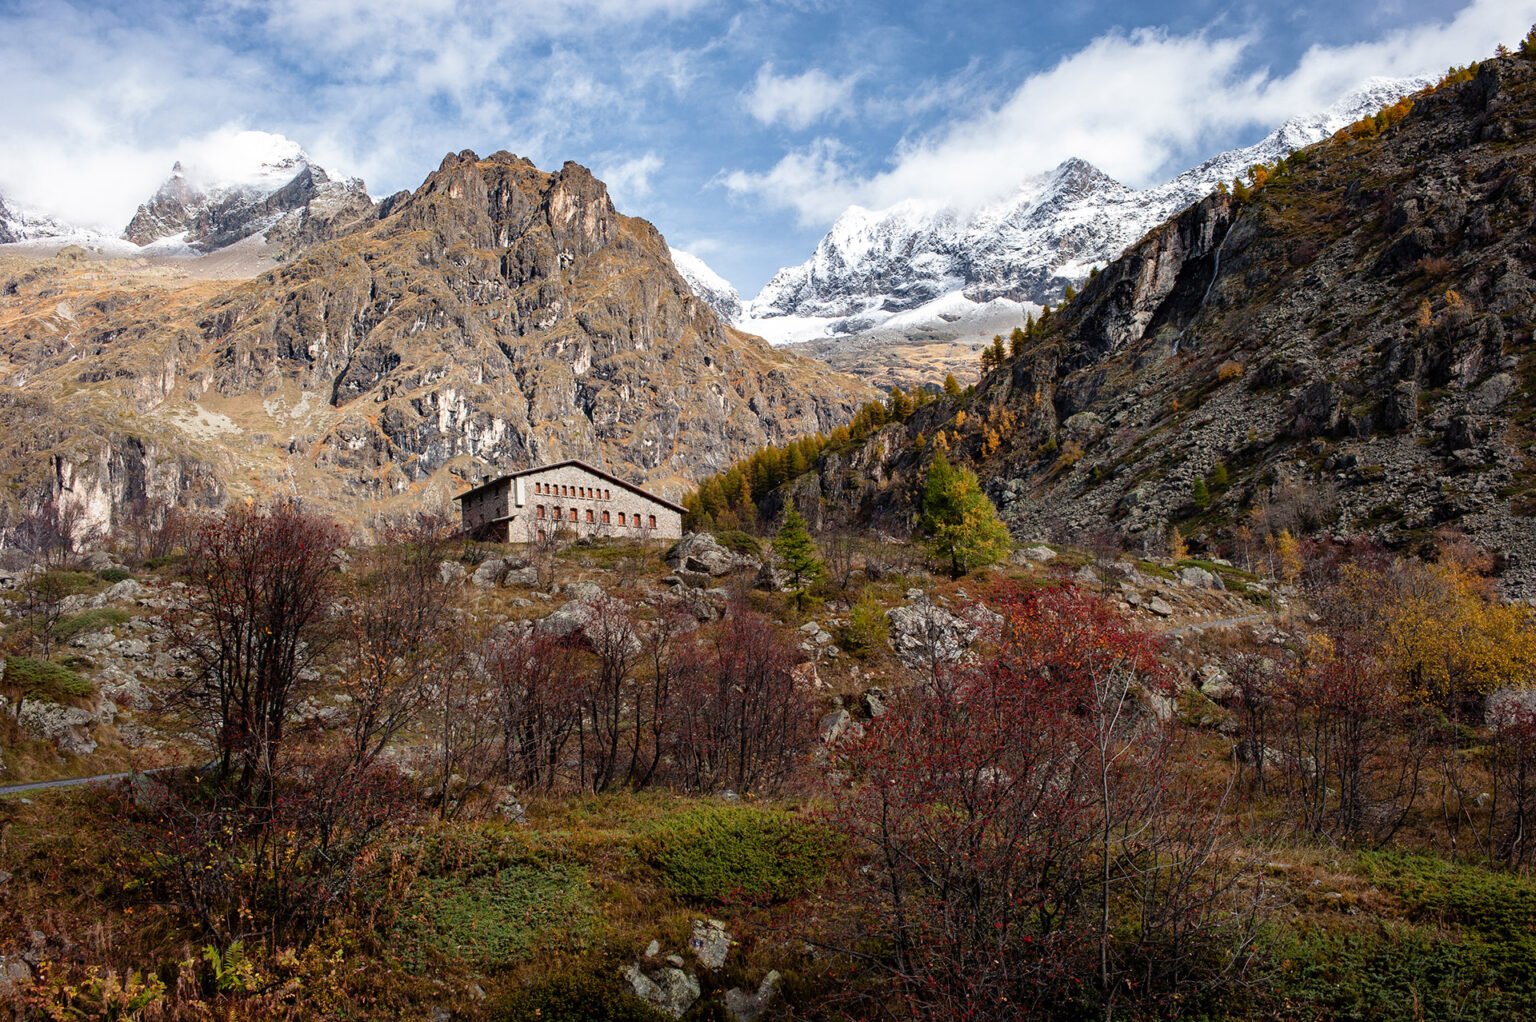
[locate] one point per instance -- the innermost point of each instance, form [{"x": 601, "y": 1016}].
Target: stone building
[{"x": 537, "y": 503}]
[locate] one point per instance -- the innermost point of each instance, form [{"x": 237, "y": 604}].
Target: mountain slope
[
  {"x": 716, "y": 291},
  {"x": 497, "y": 317},
  {"x": 914, "y": 266},
  {"x": 1350, "y": 348}
]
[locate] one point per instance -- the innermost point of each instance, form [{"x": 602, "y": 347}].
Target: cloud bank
[{"x": 1132, "y": 103}]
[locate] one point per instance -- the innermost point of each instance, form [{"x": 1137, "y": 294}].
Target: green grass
[
  {"x": 497, "y": 919},
  {"x": 736, "y": 853},
  {"x": 96, "y": 620},
  {"x": 1462, "y": 946},
  {"x": 45, "y": 680}
]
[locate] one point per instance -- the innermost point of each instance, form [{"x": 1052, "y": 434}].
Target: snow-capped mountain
[
  {"x": 20, "y": 224},
  {"x": 714, "y": 289},
  {"x": 912, "y": 266},
  {"x": 259, "y": 181}
]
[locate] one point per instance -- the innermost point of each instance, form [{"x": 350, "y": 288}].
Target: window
[
  {"x": 573, "y": 514},
  {"x": 621, "y": 518},
  {"x": 557, "y": 514},
  {"x": 589, "y": 516},
  {"x": 541, "y": 511},
  {"x": 607, "y": 520},
  {"x": 652, "y": 523},
  {"x": 541, "y": 535},
  {"x": 607, "y": 494}
]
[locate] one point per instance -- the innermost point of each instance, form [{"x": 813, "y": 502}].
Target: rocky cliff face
[
  {"x": 497, "y": 317},
  {"x": 1351, "y": 348}
]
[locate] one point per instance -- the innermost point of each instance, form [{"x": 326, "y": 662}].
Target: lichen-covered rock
[
  {"x": 700, "y": 552},
  {"x": 67, "y": 727},
  {"x": 923, "y": 633},
  {"x": 669, "y": 988},
  {"x": 710, "y": 943}
]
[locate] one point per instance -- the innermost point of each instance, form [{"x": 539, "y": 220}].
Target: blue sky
[{"x": 740, "y": 129}]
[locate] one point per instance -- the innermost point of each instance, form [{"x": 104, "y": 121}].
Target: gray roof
[{"x": 577, "y": 462}]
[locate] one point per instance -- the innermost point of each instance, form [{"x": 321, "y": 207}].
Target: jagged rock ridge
[{"x": 497, "y": 317}]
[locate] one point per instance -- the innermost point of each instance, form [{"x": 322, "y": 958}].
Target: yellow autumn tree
[{"x": 1450, "y": 635}]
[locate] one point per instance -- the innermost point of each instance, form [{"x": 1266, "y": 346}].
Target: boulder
[
  {"x": 1033, "y": 555},
  {"x": 1198, "y": 578},
  {"x": 586, "y": 591},
  {"x": 126, "y": 591},
  {"x": 924, "y": 633},
  {"x": 488, "y": 573},
  {"x": 669, "y": 988},
  {"x": 451, "y": 572},
  {"x": 872, "y": 703},
  {"x": 710, "y": 943},
  {"x": 836, "y": 724},
  {"x": 67, "y": 727},
  {"x": 701, "y": 552},
  {"x": 772, "y": 579},
  {"x": 1160, "y": 607},
  {"x": 15, "y": 978},
  {"x": 749, "y": 1006},
  {"x": 1509, "y": 706},
  {"x": 568, "y": 620}
]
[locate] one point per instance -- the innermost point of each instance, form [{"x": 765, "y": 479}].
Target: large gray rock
[
  {"x": 568, "y": 620},
  {"x": 451, "y": 572},
  {"x": 924, "y": 633},
  {"x": 67, "y": 727},
  {"x": 1032, "y": 555},
  {"x": 488, "y": 573},
  {"x": 1198, "y": 578},
  {"x": 749, "y": 1006},
  {"x": 710, "y": 943},
  {"x": 701, "y": 552},
  {"x": 1510, "y": 706},
  {"x": 669, "y": 988}
]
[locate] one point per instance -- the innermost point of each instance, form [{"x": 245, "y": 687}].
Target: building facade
[{"x": 537, "y": 504}]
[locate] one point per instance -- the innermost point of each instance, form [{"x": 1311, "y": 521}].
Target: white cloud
[
  {"x": 630, "y": 180},
  {"x": 798, "y": 101},
  {"x": 1132, "y": 104},
  {"x": 380, "y": 88}
]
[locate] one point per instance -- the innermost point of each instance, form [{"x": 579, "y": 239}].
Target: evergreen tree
[
  {"x": 1016, "y": 342},
  {"x": 951, "y": 385},
  {"x": 795, "y": 545},
  {"x": 961, "y": 523},
  {"x": 1220, "y": 478},
  {"x": 1201, "y": 493},
  {"x": 999, "y": 353}
]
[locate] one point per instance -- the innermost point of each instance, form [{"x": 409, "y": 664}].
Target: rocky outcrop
[
  {"x": 498, "y": 317},
  {"x": 1348, "y": 349}
]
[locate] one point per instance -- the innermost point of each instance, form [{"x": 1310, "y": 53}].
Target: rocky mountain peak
[
  {"x": 253, "y": 186},
  {"x": 1022, "y": 250}
]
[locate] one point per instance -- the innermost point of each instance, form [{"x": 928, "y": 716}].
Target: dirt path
[{"x": 75, "y": 782}]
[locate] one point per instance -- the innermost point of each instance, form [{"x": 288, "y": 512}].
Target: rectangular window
[
  {"x": 589, "y": 516},
  {"x": 541, "y": 511},
  {"x": 621, "y": 518},
  {"x": 573, "y": 514},
  {"x": 606, "y": 519},
  {"x": 652, "y": 522}
]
